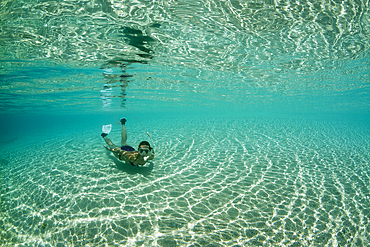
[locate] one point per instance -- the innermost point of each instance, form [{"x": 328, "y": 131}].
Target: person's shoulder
[{"x": 131, "y": 153}]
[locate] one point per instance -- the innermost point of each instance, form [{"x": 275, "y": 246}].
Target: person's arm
[
  {"x": 123, "y": 155},
  {"x": 116, "y": 151},
  {"x": 113, "y": 150}
]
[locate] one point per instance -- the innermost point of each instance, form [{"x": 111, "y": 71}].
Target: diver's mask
[{"x": 145, "y": 152}]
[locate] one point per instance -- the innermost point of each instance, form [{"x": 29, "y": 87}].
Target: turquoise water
[{"x": 258, "y": 112}]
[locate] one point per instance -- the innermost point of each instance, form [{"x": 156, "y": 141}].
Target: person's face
[{"x": 144, "y": 150}]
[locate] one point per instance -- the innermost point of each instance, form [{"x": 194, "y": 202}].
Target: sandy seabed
[{"x": 238, "y": 182}]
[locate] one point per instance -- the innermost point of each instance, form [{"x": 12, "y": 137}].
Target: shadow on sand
[{"x": 128, "y": 168}]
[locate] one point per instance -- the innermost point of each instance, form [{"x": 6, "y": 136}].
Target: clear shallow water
[{"x": 259, "y": 112}]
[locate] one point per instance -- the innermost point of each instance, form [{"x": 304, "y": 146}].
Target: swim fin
[{"x": 107, "y": 128}]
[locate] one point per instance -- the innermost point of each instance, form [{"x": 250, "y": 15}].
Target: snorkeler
[{"x": 126, "y": 152}]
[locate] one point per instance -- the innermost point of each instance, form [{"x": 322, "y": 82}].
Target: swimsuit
[{"x": 128, "y": 149}]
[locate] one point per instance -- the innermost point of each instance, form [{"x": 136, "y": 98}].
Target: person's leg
[
  {"x": 109, "y": 142},
  {"x": 123, "y": 133}
]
